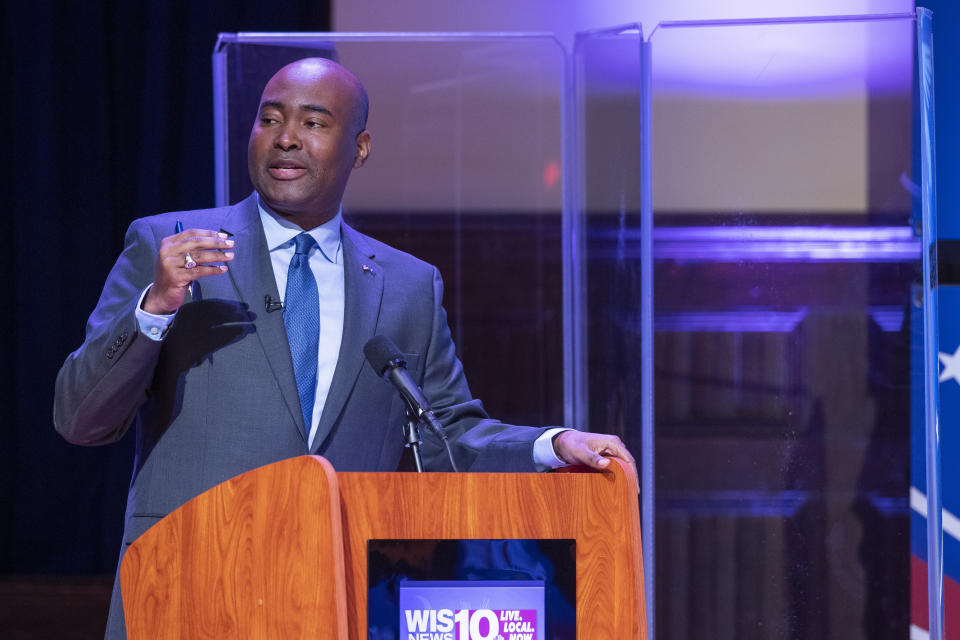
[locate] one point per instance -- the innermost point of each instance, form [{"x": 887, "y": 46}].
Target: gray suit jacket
[{"x": 218, "y": 397}]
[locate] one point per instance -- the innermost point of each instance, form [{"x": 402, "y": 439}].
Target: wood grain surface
[
  {"x": 258, "y": 556},
  {"x": 599, "y": 510},
  {"x": 281, "y": 551}
]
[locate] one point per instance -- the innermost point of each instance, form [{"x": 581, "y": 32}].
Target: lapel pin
[{"x": 367, "y": 269}]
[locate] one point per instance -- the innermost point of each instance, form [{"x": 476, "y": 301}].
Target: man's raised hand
[{"x": 173, "y": 273}]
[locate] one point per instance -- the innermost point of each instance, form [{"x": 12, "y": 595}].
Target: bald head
[{"x": 307, "y": 70}]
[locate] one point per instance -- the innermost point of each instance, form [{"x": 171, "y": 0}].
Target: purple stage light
[
  {"x": 785, "y": 57},
  {"x": 760, "y": 320},
  {"x": 744, "y": 503},
  {"x": 888, "y": 318},
  {"x": 742, "y": 320},
  {"x": 786, "y": 244}
]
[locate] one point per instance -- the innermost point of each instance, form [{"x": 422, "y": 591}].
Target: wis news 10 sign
[{"x": 472, "y": 610}]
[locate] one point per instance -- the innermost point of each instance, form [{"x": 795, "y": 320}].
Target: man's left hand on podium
[{"x": 590, "y": 449}]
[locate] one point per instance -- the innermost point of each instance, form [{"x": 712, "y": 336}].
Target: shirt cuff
[
  {"x": 544, "y": 457},
  {"x": 151, "y": 325}
]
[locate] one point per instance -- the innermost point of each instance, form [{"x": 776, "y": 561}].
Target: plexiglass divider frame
[
  {"x": 931, "y": 333},
  {"x": 490, "y": 176},
  {"x": 611, "y": 255},
  {"x": 869, "y": 241},
  {"x": 612, "y": 76}
]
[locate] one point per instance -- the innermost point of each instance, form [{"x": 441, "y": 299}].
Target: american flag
[{"x": 949, "y": 380}]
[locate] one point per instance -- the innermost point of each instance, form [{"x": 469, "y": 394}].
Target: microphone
[
  {"x": 271, "y": 305},
  {"x": 386, "y": 359}
]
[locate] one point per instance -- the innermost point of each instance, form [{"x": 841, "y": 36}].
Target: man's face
[{"x": 306, "y": 140}]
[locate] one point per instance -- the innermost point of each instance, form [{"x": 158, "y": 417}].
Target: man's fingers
[
  {"x": 179, "y": 274},
  {"x": 595, "y": 450},
  {"x": 615, "y": 447},
  {"x": 196, "y": 244},
  {"x": 600, "y": 462},
  {"x": 194, "y": 259},
  {"x": 600, "y": 447},
  {"x": 201, "y": 271},
  {"x": 195, "y": 241},
  {"x": 591, "y": 449},
  {"x": 199, "y": 233},
  {"x": 206, "y": 257},
  {"x": 183, "y": 258},
  {"x": 591, "y": 458}
]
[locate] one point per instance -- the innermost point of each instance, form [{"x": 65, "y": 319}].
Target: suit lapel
[
  {"x": 252, "y": 275},
  {"x": 363, "y": 291}
]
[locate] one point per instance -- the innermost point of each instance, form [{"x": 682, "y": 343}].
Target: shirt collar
[{"x": 280, "y": 232}]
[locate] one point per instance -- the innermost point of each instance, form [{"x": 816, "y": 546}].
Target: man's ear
[{"x": 363, "y": 149}]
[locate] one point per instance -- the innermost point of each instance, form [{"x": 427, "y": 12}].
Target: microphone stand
[{"x": 411, "y": 435}]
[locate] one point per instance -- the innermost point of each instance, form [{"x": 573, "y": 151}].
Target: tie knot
[{"x": 304, "y": 242}]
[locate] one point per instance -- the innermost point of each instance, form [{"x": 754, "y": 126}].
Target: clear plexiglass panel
[
  {"x": 706, "y": 239},
  {"x": 781, "y": 320},
  {"x": 465, "y": 173}
]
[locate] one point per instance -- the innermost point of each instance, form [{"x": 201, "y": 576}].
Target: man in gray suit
[{"x": 183, "y": 343}]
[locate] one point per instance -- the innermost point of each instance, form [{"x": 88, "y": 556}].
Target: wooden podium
[{"x": 280, "y": 551}]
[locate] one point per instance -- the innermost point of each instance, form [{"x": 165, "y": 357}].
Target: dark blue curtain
[{"x": 107, "y": 116}]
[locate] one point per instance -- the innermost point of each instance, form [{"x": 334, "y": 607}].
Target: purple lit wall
[
  {"x": 803, "y": 98},
  {"x": 566, "y": 17}
]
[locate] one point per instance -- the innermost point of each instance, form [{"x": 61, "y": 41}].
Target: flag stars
[{"x": 951, "y": 366}]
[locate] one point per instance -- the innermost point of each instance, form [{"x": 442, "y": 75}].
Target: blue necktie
[{"x": 301, "y": 317}]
